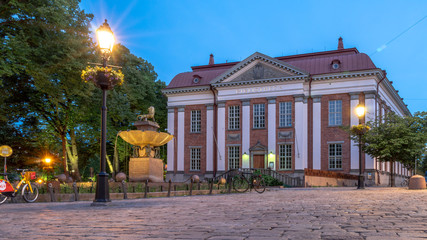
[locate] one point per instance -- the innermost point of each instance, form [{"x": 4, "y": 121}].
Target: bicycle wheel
[
  {"x": 28, "y": 195},
  {"x": 3, "y": 198},
  {"x": 240, "y": 184},
  {"x": 259, "y": 184}
]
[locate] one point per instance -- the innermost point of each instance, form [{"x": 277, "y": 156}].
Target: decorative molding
[
  {"x": 186, "y": 90},
  {"x": 260, "y": 81},
  {"x": 233, "y": 137},
  {"x": 209, "y": 106},
  {"x": 246, "y": 102},
  {"x": 271, "y": 100},
  {"x": 317, "y": 98},
  {"x": 221, "y": 104},
  {"x": 334, "y": 142},
  {"x": 181, "y": 109},
  {"x": 171, "y": 110},
  {"x": 285, "y": 134},
  {"x": 299, "y": 97},
  {"x": 354, "y": 95},
  {"x": 370, "y": 94},
  {"x": 285, "y": 143},
  {"x": 233, "y": 145}
]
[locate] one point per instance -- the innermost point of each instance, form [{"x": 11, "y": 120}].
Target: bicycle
[
  {"x": 29, "y": 192},
  {"x": 405, "y": 182},
  {"x": 242, "y": 184}
]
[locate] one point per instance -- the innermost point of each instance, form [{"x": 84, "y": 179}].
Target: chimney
[
  {"x": 340, "y": 44},
  {"x": 211, "y": 60}
]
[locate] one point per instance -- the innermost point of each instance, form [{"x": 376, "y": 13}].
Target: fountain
[{"x": 145, "y": 163}]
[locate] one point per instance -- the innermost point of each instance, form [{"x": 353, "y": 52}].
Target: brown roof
[{"x": 314, "y": 63}]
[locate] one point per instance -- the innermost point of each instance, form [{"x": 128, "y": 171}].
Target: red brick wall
[
  {"x": 195, "y": 139},
  {"x": 334, "y": 133},
  {"x": 227, "y": 104},
  {"x": 260, "y": 135},
  {"x": 278, "y": 100}
]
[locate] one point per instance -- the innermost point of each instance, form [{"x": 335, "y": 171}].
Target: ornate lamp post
[
  {"x": 106, "y": 41},
  {"x": 360, "y": 112}
]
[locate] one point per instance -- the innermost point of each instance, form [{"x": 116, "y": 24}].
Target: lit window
[
  {"x": 285, "y": 157},
  {"x": 233, "y": 157},
  {"x": 285, "y": 117},
  {"x": 259, "y": 115},
  {"x": 335, "y": 113},
  {"x": 196, "y": 121},
  {"x": 233, "y": 117},
  {"x": 335, "y": 156},
  {"x": 195, "y": 159}
]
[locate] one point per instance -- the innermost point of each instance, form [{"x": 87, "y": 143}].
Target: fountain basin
[{"x": 144, "y": 138}]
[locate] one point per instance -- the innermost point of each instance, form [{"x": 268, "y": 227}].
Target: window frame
[
  {"x": 283, "y": 156},
  {"x": 334, "y": 159},
  {"x": 234, "y": 117},
  {"x": 235, "y": 159},
  {"x": 194, "y": 161},
  {"x": 335, "y": 116},
  {"x": 285, "y": 114},
  {"x": 258, "y": 116},
  {"x": 196, "y": 121}
]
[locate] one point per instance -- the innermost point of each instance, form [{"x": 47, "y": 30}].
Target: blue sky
[{"x": 174, "y": 35}]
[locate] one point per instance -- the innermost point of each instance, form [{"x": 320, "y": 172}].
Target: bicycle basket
[{"x": 30, "y": 175}]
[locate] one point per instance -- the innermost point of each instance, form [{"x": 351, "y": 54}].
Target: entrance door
[{"x": 258, "y": 161}]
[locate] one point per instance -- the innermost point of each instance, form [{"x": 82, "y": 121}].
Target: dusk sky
[{"x": 175, "y": 35}]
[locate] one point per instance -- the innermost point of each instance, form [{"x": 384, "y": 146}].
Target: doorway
[{"x": 258, "y": 161}]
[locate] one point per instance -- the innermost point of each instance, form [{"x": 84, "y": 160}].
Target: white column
[
  {"x": 209, "y": 138},
  {"x": 317, "y": 133},
  {"x": 221, "y": 137},
  {"x": 354, "y": 120},
  {"x": 181, "y": 143},
  {"x": 299, "y": 132},
  {"x": 246, "y": 125},
  {"x": 370, "y": 116},
  {"x": 272, "y": 130},
  {"x": 305, "y": 133},
  {"x": 171, "y": 130}
]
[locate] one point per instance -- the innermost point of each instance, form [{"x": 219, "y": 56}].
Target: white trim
[{"x": 181, "y": 141}]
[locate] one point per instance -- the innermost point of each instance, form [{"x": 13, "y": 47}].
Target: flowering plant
[
  {"x": 103, "y": 77},
  {"x": 359, "y": 129}
]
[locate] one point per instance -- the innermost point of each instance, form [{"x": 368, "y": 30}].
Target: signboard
[{"x": 5, "y": 151}]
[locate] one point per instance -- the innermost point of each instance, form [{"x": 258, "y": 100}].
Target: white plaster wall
[
  {"x": 209, "y": 140},
  {"x": 299, "y": 125},
  {"x": 245, "y": 132},
  {"x": 336, "y": 86},
  {"x": 317, "y": 139},
  {"x": 354, "y": 120},
  {"x": 180, "y": 157},
  {"x": 272, "y": 130},
  {"x": 170, "y": 146},
  {"x": 221, "y": 139}
]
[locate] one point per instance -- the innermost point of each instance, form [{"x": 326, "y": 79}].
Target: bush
[{"x": 270, "y": 181}]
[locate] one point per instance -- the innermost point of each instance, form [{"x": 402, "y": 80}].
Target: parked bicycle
[
  {"x": 242, "y": 184},
  {"x": 29, "y": 190},
  {"x": 405, "y": 182}
]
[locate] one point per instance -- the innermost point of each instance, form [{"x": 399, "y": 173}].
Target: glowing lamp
[
  {"x": 105, "y": 38},
  {"x": 360, "y": 111},
  {"x": 47, "y": 160}
]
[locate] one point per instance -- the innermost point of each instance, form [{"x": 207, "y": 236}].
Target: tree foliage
[{"x": 396, "y": 139}]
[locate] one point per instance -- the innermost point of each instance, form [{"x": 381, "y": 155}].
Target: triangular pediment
[{"x": 257, "y": 67}]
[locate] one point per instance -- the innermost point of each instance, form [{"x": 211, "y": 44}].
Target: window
[
  {"x": 195, "y": 159},
  {"x": 259, "y": 118},
  {"x": 335, "y": 156},
  {"x": 233, "y": 117},
  {"x": 233, "y": 157},
  {"x": 285, "y": 157},
  {"x": 285, "y": 114},
  {"x": 335, "y": 113},
  {"x": 196, "y": 121}
]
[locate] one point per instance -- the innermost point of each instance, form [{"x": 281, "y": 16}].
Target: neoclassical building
[{"x": 282, "y": 113}]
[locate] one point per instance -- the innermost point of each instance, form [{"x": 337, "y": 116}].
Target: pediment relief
[
  {"x": 259, "y": 71},
  {"x": 258, "y": 67}
]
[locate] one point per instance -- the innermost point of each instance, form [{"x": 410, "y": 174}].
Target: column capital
[
  {"x": 181, "y": 109},
  {"x": 209, "y": 106},
  {"x": 246, "y": 102},
  {"x": 370, "y": 94},
  {"x": 299, "y": 97},
  {"x": 271, "y": 100},
  {"x": 317, "y": 98},
  {"x": 221, "y": 104}
]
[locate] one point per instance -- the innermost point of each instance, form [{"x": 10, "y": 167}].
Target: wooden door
[{"x": 258, "y": 161}]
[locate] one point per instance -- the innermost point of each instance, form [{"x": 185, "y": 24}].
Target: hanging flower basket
[
  {"x": 359, "y": 129},
  {"x": 103, "y": 77}
]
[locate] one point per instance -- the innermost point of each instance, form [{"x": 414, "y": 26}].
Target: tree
[
  {"x": 44, "y": 45},
  {"x": 396, "y": 139}
]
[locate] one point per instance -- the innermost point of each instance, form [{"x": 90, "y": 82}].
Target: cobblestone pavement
[{"x": 315, "y": 213}]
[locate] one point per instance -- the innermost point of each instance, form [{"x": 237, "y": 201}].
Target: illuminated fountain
[{"x": 145, "y": 163}]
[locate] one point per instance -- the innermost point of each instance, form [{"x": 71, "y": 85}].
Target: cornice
[
  {"x": 261, "y": 81},
  {"x": 186, "y": 90}
]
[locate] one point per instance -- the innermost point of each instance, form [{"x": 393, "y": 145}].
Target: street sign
[{"x": 5, "y": 151}]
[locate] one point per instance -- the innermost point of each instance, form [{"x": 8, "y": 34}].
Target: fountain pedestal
[{"x": 145, "y": 168}]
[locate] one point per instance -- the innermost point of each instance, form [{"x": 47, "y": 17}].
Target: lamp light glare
[
  {"x": 360, "y": 111},
  {"x": 47, "y": 160},
  {"x": 105, "y": 38}
]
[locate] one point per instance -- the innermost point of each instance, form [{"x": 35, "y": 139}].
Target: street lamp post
[
  {"x": 360, "y": 112},
  {"x": 106, "y": 41}
]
